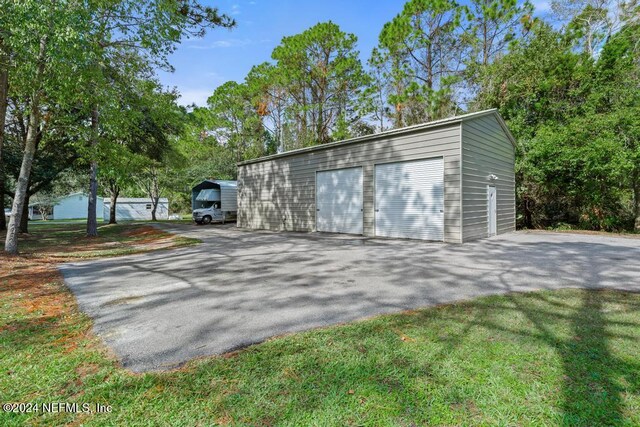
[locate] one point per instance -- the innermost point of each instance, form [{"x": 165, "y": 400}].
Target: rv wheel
[{"x": 206, "y": 219}]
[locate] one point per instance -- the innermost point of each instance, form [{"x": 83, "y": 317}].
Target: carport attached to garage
[{"x": 450, "y": 180}]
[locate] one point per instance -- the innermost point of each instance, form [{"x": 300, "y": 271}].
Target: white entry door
[
  {"x": 492, "y": 220},
  {"x": 339, "y": 201},
  {"x": 409, "y": 199}
]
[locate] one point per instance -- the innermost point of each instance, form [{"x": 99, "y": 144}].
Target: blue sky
[{"x": 203, "y": 64}]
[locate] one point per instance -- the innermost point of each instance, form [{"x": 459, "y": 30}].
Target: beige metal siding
[
  {"x": 279, "y": 194},
  {"x": 229, "y": 198},
  {"x": 486, "y": 150}
]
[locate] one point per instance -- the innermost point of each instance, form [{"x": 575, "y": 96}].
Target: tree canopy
[{"x": 79, "y": 94}]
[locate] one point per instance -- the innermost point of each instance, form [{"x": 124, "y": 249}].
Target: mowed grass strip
[
  {"x": 67, "y": 241},
  {"x": 547, "y": 358}
]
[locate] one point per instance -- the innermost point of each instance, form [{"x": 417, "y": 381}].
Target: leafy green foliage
[
  {"x": 583, "y": 168},
  {"x": 203, "y": 156},
  {"x": 139, "y": 134},
  {"x": 74, "y": 57},
  {"x": 423, "y": 45},
  {"x": 312, "y": 94},
  {"x": 588, "y": 22},
  {"x": 569, "y": 92},
  {"x": 576, "y": 122},
  {"x": 236, "y": 122},
  {"x": 322, "y": 76}
]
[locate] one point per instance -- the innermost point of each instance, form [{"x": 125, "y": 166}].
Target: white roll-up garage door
[
  {"x": 339, "y": 201},
  {"x": 409, "y": 199}
]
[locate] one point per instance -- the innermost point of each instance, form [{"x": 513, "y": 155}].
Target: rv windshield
[{"x": 208, "y": 205}]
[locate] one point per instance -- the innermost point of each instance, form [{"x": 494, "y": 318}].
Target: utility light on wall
[{"x": 492, "y": 177}]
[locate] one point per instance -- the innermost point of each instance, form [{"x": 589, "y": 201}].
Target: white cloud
[
  {"x": 221, "y": 44},
  {"x": 235, "y": 9},
  {"x": 199, "y": 95},
  {"x": 194, "y": 96}
]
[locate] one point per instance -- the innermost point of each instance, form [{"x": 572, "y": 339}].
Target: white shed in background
[
  {"x": 71, "y": 206},
  {"x": 136, "y": 209},
  {"x": 74, "y": 206}
]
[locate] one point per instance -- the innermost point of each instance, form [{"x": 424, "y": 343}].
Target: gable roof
[
  {"x": 77, "y": 193},
  {"x": 59, "y": 200},
  {"x": 221, "y": 183},
  {"x": 393, "y": 132}
]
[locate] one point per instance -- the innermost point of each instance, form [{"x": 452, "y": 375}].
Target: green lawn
[
  {"x": 67, "y": 241},
  {"x": 567, "y": 357}
]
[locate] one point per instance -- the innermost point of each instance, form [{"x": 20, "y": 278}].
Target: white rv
[{"x": 214, "y": 200}]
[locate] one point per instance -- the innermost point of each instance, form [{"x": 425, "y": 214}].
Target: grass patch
[
  {"x": 566, "y": 357},
  {"x": 67, "y": 241}
]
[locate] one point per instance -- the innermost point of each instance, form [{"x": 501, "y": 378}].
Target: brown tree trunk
[
  {"x": 4, "y": 94},
  {"x": 154, "y": 209},
  {"x": 3, "y": 219},
  {"x": 485, "y": 44},
  {"x": 24, "y": 220},
  {"x": 92, "y": 220},
  {"x": 154, "y": 193},
  {"x": 11, "y": 241},
  {"x": 112, "y": 207},
  {"x": 636, "y": 200},
  {"x": 526, "y": 208}
]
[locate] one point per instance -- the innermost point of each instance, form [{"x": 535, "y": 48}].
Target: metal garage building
[{"x": 450, "y": 180}]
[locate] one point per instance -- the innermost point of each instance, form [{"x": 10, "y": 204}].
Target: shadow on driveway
[{"x": 158, "y": 310}]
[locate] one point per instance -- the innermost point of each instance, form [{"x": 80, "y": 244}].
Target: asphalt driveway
[{"x": 161, "y": 309}]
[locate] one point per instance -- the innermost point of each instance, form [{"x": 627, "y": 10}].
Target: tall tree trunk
[
  {"x": 3, "y": 219},
  {"x": 154, "y": 208},
  {"x": 24, "y": 221},
  {"x": 154, "y": 193},
  {"x": 115, "y": 192},
  {"x": 485, "y": 44},
  {"x": 155, "y": 197},
  {"x": 526, "y": 208},
  {"x": 4, "y": 94},
  {"x": 431, "y": 114},
  {"x": 92, "y": 221},
  {"x": 11, "y": 241},
  {"x": 320, "y": 134},
  {"x": 636, "y": 199},
  {"x": 303, "y": 125}
]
